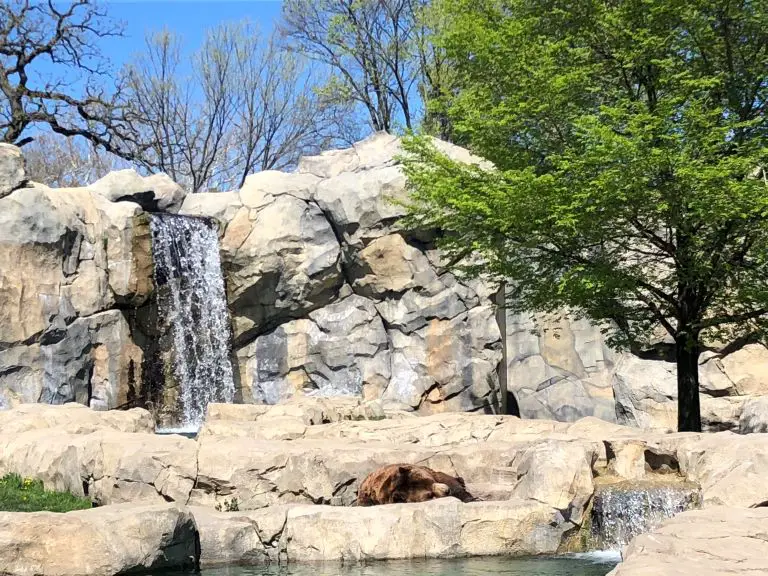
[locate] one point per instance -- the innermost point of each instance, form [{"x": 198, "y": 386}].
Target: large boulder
[
  {"x": 281, "y": 262},
  {"x": 754, "y": 415},
  {"x": 155, "y": 193},
  {"x": 559, "y": 368},
  {"x": 12, "y": 173},
  {"x": 646, "y": 390},
  {"x": 74, "y": 419},
  {"x": 703, "y": 542},
  {"x": 449, "y": 364},
  {"x": 438, "y": 529},
  {"x": 108, "y": 466},
  {"x": 67, "y": 258},
  {"x": 729, "y": 467},
  {"x": 99, "y": 542},
  {"x": 244, "y": 538}
]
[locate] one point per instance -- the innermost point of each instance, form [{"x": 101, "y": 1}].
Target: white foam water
[{"x": 191, "y": 302}]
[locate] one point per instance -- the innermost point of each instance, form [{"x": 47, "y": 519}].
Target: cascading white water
[
  {"x": 622, "y": 511},
  {"x": 191, "y": 303}
]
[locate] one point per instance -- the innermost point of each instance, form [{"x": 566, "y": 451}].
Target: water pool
[{"x": 598, "y": 564}]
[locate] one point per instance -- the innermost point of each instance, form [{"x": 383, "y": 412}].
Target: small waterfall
[
  {"x": 192, "y": 311},
  {"x": 622, "y": 511}
]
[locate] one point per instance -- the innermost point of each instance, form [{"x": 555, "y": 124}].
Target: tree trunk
[{"x": 688, "y": 408}]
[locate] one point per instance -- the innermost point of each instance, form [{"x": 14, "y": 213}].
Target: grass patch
[{"x": 19, "y": 494}]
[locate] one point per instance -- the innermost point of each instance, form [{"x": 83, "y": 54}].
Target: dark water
[{"x": 576, "y": 565}]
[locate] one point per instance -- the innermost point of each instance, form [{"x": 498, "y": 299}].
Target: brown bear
[{"x": 399, "y": 483}]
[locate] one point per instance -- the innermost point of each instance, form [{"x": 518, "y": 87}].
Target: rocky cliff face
[
  {"x": 70, "y": 261},
  {"x": 563, "y": 370},
  {"x": 327, "y": 294}
]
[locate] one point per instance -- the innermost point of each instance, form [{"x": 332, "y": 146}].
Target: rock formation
[
  {"x": 327, "y": 295},
  {"x": 252, "y": 500},
  {"x": 563, "y": 369}
]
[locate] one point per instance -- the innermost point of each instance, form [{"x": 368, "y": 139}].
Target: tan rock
[
  {"x": 730, "y": 468},
  {"x": 703, "y": 542},
  {"x": 73, "y": 419},
  {"x": 144, "y": 468},
  {"x": 219, "y": 205},
  {"x": 437, "y": 529},
  {"x": 98, "y": 542},
  {"x": 389, "y": 264},
  {"x": 244, "y": 538},
  {"x": 754, "y": 416},
  {"x": 156, "y": 192},
  {"x": 626, "y": 458}
]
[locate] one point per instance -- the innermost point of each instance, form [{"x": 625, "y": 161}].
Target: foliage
[
  {"x": 19, "y": 494},
  {"x": 629, "y": 140},
  {"x": 228, "y": 506}
]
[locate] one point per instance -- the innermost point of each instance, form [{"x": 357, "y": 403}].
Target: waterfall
[
  {"x": 192, "y": 311},
  {"x": 622, "y": 511}
]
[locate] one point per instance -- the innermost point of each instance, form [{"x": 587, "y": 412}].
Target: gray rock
[
  {"x": 389, "y": 265},
  {"x": 153, "y": 193},
  {"x": 280, "y": 262},
  {"x": 360, "y": 204},
  {"x": 340, "y": 349},
  {"x": 447, "y": 364},
  {"x": 559, "y": 368},
  {"x": 754, "y": 416},
  {"x": 12, "y": 173}
]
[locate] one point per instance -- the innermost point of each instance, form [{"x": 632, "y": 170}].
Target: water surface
[{"x": 598, "y": 564}]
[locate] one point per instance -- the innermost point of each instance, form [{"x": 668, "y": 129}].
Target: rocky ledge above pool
[
  {"x": 278, "y": 484},
  {"x": 709, "y": 542}
]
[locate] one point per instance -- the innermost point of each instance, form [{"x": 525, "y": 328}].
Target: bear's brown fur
[{"x": 399, "y": 483}]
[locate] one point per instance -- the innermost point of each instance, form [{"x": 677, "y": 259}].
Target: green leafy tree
[{"x": 629, "y": 144}]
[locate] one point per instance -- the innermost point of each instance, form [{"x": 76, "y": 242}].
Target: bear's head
[{"x": 417, "y": 485}]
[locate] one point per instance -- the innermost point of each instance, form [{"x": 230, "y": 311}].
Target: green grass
[{"x": 19, "y": 494}]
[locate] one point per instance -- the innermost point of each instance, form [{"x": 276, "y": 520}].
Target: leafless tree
[
  {"x": 61, "y": 162},
  {"x": 52, "y": 73},
  {"x": 370, "y": 46},
  {"x": 247, "y": 105}
]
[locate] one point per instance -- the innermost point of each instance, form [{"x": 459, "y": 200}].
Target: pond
[{"x": 598, "y": 564}]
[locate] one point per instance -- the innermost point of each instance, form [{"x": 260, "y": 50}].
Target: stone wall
[{"x": 71, "y": 262}]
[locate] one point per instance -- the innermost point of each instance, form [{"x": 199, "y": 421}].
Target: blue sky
[{"x": 187, "y": 18}]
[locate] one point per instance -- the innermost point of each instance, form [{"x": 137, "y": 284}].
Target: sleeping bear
[{"x": 398, "y": 483}]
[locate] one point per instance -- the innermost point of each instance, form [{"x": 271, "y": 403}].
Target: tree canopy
[{"x": 629, "y": 140}]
